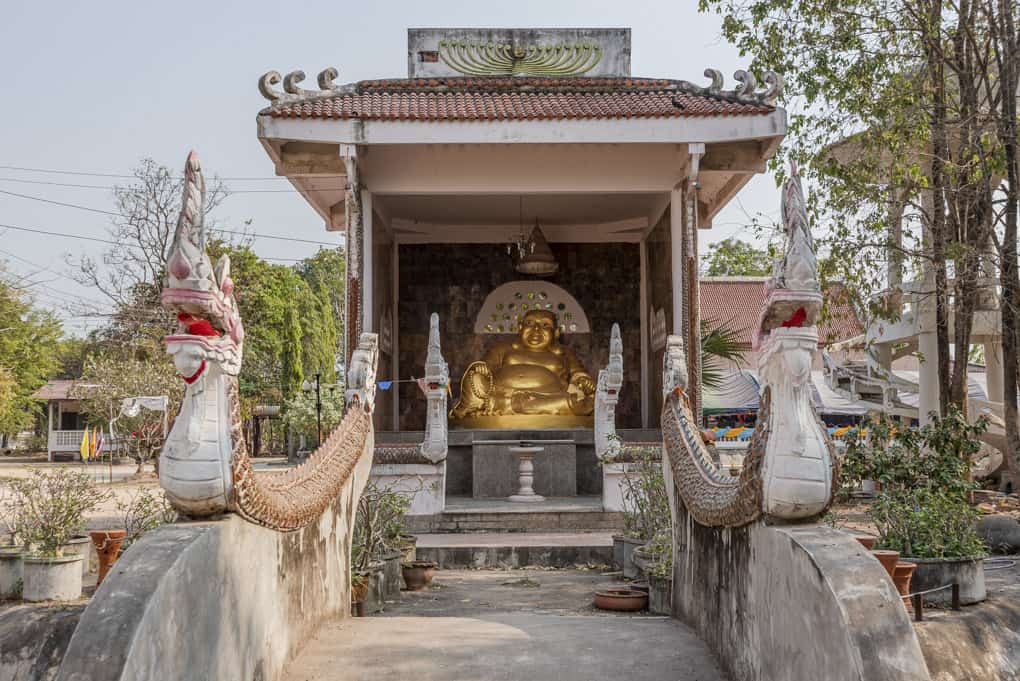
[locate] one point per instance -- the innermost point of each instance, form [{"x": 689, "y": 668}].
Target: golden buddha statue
[{"x": 531, "y": 380}]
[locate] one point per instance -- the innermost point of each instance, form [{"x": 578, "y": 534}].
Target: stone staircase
[{"x": 558, "y": 532}]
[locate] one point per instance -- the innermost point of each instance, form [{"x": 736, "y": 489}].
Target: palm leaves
[{"x": 720, "y": 345}]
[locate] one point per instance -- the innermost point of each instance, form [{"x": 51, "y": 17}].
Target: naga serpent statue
[
  {"x": 790, "y": 470},
  {"x": 204, "y": 467}
]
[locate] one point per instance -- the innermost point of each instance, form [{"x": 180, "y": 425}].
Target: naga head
[{"x": 202, "y": 296}]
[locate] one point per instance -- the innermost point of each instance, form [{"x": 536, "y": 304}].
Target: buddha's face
[{"x": 538, "y": 330}]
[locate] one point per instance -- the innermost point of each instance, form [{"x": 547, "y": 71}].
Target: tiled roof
[
  {"x": 54, "y": 390},
  {"x": 521, "y": 98},
  {"x": 738, "y": 301}
]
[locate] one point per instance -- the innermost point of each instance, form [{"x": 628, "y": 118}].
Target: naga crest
[
  {"x": 793, "y": 296},
  {"x": 209, "y": 326}
]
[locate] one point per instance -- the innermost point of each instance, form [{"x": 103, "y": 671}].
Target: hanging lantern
[{"x": 538, "y": 259}]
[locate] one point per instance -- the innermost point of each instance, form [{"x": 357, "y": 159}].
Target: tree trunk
[
  {"x": 1009, "y": 278},
  {"x": 937, "y": 220}
]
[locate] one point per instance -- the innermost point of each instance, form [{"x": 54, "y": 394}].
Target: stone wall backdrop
[
  {"x": 454, "y": 279},
  {"x": 660, "y": 297},
  {"x": 382, "y": 285}
]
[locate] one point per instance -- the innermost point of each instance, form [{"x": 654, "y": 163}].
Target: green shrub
[
  {"x": 922, "y": 510},
  {"x": 925, "y": 523},
  {"x": 379, "y": 523},
  {"x": 646, "y": 504}
]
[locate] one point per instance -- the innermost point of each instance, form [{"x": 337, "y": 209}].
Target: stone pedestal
[
  {"x": 525, "y": 474},
  {"x": 495, "y": 471}
]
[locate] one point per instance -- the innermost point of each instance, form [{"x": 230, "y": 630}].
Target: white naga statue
[
  {"x": 790, "y": 470},
  {"x": 204, "y": 466}
]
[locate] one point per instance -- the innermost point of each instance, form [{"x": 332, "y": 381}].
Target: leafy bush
[
  {"x": 646, "y": 504},
  {"x": 50, "y": 507},
  {"x": 146, "y": 511},
  {"x": 922, "y": 510}
]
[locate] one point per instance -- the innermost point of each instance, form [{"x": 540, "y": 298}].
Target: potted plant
[
  {"x": 646, "y": 507},
  {"x": 922, "y": 508},
  {"x": 660, "y": 573},
  {"x": 359, "y": 593},
  {"x": 10, "y": 550},
  {"x": 378, "y": 527},
  {"x": 50, "y": 509}
]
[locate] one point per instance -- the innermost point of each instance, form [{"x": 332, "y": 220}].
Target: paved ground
[{"x": 526, "y": 625}]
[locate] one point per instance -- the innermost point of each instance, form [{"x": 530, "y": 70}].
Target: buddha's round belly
[{"x": 528, "y": 377}]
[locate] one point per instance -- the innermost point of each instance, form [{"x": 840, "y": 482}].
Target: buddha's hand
[{"x": 583, "y": 382}]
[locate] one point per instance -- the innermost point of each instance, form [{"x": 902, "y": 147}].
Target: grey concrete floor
[{"x": 515, "y": 625}]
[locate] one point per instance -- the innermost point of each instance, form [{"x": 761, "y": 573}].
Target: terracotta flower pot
[
  {"x": 418, "y": 574},
  {"x": 888, "y": 559},
  {"x": 358, "y": 608},
  {"x": 866, "y": 541},
  {"x": 901, "y": 578},
  {"x": 622, "y": 599},
  {"x": 107, "y": 543}
]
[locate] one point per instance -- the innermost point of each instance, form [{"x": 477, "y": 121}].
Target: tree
[
  {"x": 148, "y": 208},
  {"x": 29, "y": 340},
  {"x": 891, "y": 119},
  {"x": 292, "y": 374},
  {"x": 735, "y": 258},
  {"x": 113, "y": 375}
]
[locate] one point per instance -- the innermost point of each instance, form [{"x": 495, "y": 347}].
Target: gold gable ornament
[{"x": 508, "y": 59}]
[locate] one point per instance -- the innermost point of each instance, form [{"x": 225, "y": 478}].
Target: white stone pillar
[
  {"x": 369, "y": 324},
  {"x": 993, "y": 370},
  {"x": 354, "y": 310},
  {"x": 928, "y": 377},
  {"x": 676, "y": 252}
]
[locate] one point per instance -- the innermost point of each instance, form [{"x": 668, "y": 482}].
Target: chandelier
[{"x": 533, "y": 254}]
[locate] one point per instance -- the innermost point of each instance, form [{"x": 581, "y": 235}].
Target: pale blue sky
[{"x": 96, "y": 86}]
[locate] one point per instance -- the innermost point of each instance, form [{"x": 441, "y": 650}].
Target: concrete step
[
  {"x": 506, "y": 549},
  {"x": 555, "y": 514},
  {"x": 555, "y": 521}
]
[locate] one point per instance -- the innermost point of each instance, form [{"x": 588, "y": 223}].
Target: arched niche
[{"x": 506, "y": 305}]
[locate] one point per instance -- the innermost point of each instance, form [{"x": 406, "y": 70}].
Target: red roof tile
[
  {"x": 738, "y": 301},
  {"x": 524, "y": 98}
]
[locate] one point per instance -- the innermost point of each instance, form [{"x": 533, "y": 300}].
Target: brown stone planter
[
  {"x": 866, "y": 541},
  {"x": 107, "y": 543},
  {"x": 621, "y": 599},
  {"x": 888, "y": 559},
  {"x": 418, "y": 574}
]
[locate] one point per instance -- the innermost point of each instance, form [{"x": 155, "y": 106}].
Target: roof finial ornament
[
  {"x": 745, "y": 91},
  {"x": 266, "y": 83},
  {"x": 326, "y": 78},
  {"x": 717, "y": 80},
  {"x": 292, "y": 91},
  {"x": 290, "y": 84},
  {"x": 775, "y": 88}
]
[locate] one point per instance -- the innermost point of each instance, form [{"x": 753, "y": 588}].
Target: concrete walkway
[{"x": 516, "y": 625}]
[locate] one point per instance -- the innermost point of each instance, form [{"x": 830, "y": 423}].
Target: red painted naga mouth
[{"x": 201, "y": 316}]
